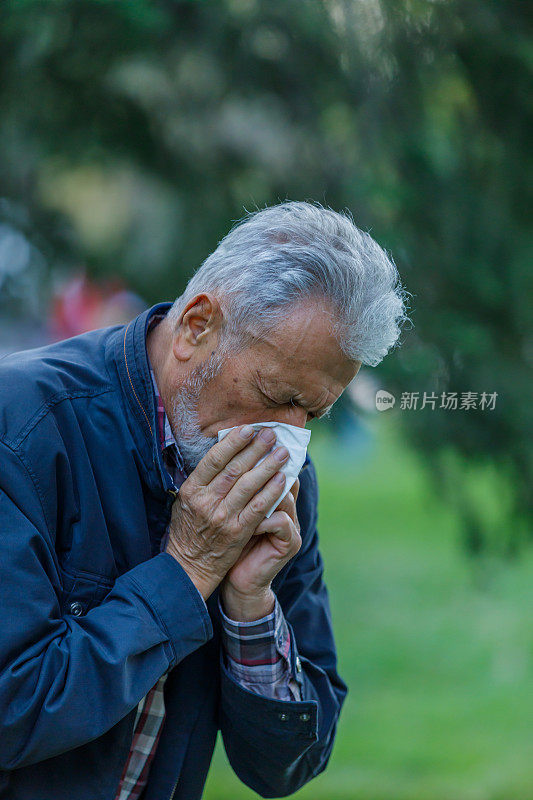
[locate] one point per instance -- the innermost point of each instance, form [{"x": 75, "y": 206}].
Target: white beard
[{"x": 184, "y": 421}]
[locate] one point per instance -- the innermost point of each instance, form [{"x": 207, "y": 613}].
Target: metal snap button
[
  {"x": 305, "y": 717},
  {"x": 76, "y": 609},
  {"x": 284, "y": 717}
]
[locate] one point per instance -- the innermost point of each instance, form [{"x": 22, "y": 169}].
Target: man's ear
[{"x": 198, "y": 327}]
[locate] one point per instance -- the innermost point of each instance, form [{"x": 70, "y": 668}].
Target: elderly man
[{"x": 147, "y": 598}]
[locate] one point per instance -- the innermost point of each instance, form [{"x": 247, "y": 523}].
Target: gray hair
[{"x": 295, "y": 251}]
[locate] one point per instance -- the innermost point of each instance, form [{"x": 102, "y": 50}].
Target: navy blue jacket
[{"x": 92, "y": 614}]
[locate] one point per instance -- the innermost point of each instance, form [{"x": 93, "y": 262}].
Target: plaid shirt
[{"x": 257, "y": 653}]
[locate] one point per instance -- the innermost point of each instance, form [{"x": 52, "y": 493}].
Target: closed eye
[
  {"x": 311, "y": 414},
  {"x": 292, "y": 403}
]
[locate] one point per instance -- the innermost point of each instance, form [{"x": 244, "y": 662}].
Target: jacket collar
[{"x": 128, "y": 351}]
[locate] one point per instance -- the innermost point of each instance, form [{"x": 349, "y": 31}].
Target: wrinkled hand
[
  {"x": 221, "y": 505},
  {"x": 245, "y": 591}
]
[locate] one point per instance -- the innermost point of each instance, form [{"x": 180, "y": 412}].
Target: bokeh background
[{"x": 132, "y": 136}]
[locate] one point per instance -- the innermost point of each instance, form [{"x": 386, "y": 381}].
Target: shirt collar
[{"x": 166, "y": 437}]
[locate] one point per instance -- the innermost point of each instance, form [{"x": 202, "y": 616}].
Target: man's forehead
[
  {"x": 305, "y": 346},
  {"x": 319, "y": 365},
  {"x": 304, "y": 320},
  {"x": 303, "y": 356}
]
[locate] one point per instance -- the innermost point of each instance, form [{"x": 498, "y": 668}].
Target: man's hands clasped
[{"x": 220, "y": 512}]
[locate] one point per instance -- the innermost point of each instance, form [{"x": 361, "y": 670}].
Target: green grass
[{"x": 437, "y": 652}]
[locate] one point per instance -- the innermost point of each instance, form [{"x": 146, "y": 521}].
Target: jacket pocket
[{"x": 81, "y": 591}]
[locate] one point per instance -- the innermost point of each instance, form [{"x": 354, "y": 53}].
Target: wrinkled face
[{"x": 294, "y": 375}]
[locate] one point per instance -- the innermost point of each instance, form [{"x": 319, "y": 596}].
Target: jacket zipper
[
  {"x": 172, "y": 493},
  {"x": 173, "y": 792}
]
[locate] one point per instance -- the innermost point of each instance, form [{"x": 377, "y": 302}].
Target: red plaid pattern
[
  {"x": 147, "y": 730},
  {"x": 258, "y": 654}
]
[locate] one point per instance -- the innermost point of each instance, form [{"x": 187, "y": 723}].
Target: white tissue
[{"x": 294, "y": 439}]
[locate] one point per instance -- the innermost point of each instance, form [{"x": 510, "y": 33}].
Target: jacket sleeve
[
  {"x": 275, "y": 746},
  {"x": 66, "y": 679}
]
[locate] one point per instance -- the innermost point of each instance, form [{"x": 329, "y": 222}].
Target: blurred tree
[{"x": 132, "y": 134}]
